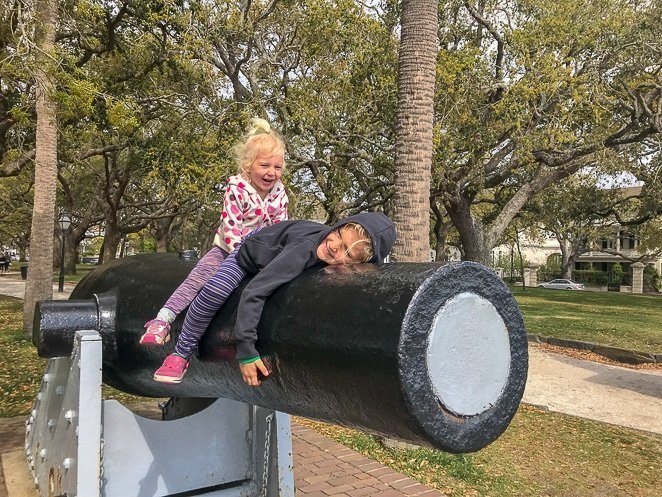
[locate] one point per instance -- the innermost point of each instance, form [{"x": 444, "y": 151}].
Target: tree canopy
[{"x": 152, "y": 95}]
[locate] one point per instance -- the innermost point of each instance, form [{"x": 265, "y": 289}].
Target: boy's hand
[{"x": 250, "y": 372}]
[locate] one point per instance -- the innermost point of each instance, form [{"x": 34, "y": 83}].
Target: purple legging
[
  {"x": 209, "y": 300},
  {"x": 191, "y": 286}
]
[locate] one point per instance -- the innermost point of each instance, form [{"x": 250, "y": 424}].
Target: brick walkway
[{"x": 324, "y": 468}]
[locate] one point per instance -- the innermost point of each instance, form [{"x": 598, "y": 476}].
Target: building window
[
  {"x": 555, "y": 260},
  {"x": 607, "y": 243},
  {"x": 629, "y": 241}
]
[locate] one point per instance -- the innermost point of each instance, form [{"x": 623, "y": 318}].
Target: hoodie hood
[{"x": 380, "y": 228}]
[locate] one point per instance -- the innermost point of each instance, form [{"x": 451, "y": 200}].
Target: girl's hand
[{"x": 250, "y": 372}]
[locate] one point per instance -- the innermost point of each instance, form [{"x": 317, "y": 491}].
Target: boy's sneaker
[
  {"x": 158, "y": 332},
  {"x": 173, "y": 369}
]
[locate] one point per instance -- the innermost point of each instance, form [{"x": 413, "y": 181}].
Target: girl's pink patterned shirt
[{"x": 244, "y": 211}]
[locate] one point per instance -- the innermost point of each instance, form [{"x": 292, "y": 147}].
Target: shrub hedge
[{"x": 591, "y": 277}]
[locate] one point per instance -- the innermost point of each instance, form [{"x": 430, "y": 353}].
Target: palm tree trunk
[
  {"x": 413, "y": 151},
  {"x": 40, "y": 274}
]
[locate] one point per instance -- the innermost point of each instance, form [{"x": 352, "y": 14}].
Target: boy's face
[{"x": 335, "y": 248}]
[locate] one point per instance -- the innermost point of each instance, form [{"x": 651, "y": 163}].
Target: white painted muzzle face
[{"x": 470, "y": 343}]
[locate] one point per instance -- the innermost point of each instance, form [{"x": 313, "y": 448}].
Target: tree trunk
[
  {"x": 440, "y": 232},
  {"x": 476, "y": 245},
  {"x": 482, "y": 238},
  {"x": 162, "y": 233},
  {"x": 72, "y": 242},
  {"x": 567, "y": 261},
  {"x": 70, "y": 253},
  {"x": 122, "y": 246},
  {"x": 521, "y": 259},
  {"x": 413, "y": 151},
  {"x": 111, "y": 241},
  {"x": 440, "y": 247},
  {"x": 576, "y": 247},
  {"x": 102, "y": 250},
  {"x": 40, "y": 274},
  {"x": 206, "y": 243},
  {"x": 161, "y": 245}
]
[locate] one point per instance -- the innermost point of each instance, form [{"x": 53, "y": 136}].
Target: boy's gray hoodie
[{"x": 280, "y": 253}]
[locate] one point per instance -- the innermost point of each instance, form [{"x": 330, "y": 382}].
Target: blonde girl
[{"x": 253, "y": 199}]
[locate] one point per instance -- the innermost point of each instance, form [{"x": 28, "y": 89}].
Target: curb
[{"x": 613, "y": 353}]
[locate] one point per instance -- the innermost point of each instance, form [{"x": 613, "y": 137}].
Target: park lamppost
[{"x": 64, "y": 222}]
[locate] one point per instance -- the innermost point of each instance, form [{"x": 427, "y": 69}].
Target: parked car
[{"x": 562, "y": 285}]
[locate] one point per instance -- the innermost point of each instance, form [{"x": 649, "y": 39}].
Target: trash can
[{"x": 24, "y": 272}]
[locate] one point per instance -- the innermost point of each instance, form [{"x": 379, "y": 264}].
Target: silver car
[{"x": 562, "y": 285}]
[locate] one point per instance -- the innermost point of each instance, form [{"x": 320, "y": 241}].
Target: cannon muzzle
[{"x": 427, "y": 353}]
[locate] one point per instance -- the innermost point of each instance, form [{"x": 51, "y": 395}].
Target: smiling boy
[{"x": 278, "y": 254}]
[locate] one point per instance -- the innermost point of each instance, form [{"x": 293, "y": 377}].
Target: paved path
[
  {"x": 612, "y": 394},
  {"x": 16, "y": 288},
  {"x": 324, "y": 468}
]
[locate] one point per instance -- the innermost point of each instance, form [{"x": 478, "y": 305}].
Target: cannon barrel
[{"x": 427, "y": 353}]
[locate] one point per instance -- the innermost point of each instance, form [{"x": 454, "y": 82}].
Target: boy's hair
[
  {"x": 364, "y": 238},
  {"x": 259, "y": 139}
]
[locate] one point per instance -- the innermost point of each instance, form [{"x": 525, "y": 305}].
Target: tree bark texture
[
  {"x": 72, "y": 242},
  {"x": 566, "y": 259},
  {"x": 111, "y": 241},
  {"x": 40, "y": 274},
  {"x": 413, "y": 151},
  {"x": 70, "y": 253},
  {"x": 162, "y": 233},
  {"x": 476, "y": 244}
]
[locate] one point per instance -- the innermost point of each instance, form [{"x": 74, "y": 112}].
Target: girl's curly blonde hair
[{"x": 259, "y": 139}]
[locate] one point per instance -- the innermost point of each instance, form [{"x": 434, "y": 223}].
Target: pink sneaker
[
  {"x": 173, "y": 369},
  {"x": 158, "y": 332}
]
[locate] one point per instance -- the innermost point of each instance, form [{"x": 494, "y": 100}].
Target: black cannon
[{"x": 432, "y": 354}]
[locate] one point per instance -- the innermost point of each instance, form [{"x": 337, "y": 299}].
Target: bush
[
  {"x": 515, "y": 270},
  {"x": 616, "y": 274},
  {"x": 591, "y": 277},
  {"x": 549, "y": 272},
  {"x": 651, "y": 279}
]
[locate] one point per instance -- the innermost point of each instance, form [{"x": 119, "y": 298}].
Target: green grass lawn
[
  {"x": 82, "y": 270},
  {"x": 540, "y": 455},
  {"x": 608, "y": 318}
]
